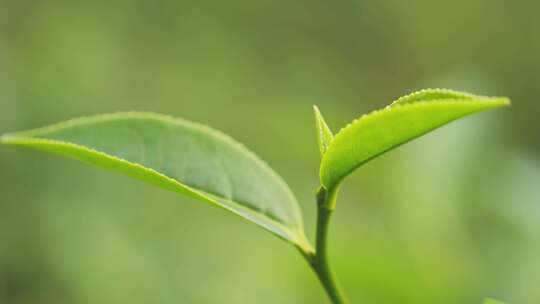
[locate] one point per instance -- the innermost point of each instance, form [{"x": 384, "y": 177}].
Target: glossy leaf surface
[
  {"x": 179, "y": 156},
  {"x": 405, "y": 119}
]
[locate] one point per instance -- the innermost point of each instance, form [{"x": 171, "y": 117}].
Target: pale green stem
[{"x": 319, "y": 259}]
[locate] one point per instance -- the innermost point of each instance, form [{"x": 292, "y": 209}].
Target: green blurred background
[{"x": 450, "y": 218}]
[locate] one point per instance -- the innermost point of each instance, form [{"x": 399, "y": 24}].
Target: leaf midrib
[
  {"x": 202, "y": 194},
  {"x": 119, "y": 116}
]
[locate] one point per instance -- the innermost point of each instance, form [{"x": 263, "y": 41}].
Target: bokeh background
[{"x": 452, "y": 217}]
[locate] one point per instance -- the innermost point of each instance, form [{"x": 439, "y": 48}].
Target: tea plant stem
[
  {"x": 319, "y": 259},
  {"x": 322, "y": 266}
]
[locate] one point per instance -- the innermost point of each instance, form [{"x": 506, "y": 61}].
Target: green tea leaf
[
  {"x": 407, "y": 118},
  {"x": 179, "y": 156},
  {"x": 324, "y": 135}
]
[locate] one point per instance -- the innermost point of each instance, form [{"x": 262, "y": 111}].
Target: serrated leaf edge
[
  {"x": 494, "y": 102},
  {"x": 417, "y": 95},
  {"x": 498, "y": 101},
  {"x": 25, "y": 138}
]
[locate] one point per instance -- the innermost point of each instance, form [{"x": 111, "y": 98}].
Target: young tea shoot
[{"x": 207, "y": 165}]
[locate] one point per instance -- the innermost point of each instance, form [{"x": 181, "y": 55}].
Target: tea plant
[{"x": 209, "y": 166}]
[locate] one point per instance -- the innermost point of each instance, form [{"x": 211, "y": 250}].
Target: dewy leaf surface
[
  {"x": 180, "y": 156},
  {"x": 324, "y": 135},
  {"x": 405, "y": 119}
]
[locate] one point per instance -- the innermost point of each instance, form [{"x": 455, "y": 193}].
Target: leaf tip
[
  {"x": 498, "y": 102},
  {"x": 505, "y": 101},
  {"x": 11, "y": 138},
  {"x": 316, "y": 111},
  {"x": 4, "y": 138}
]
